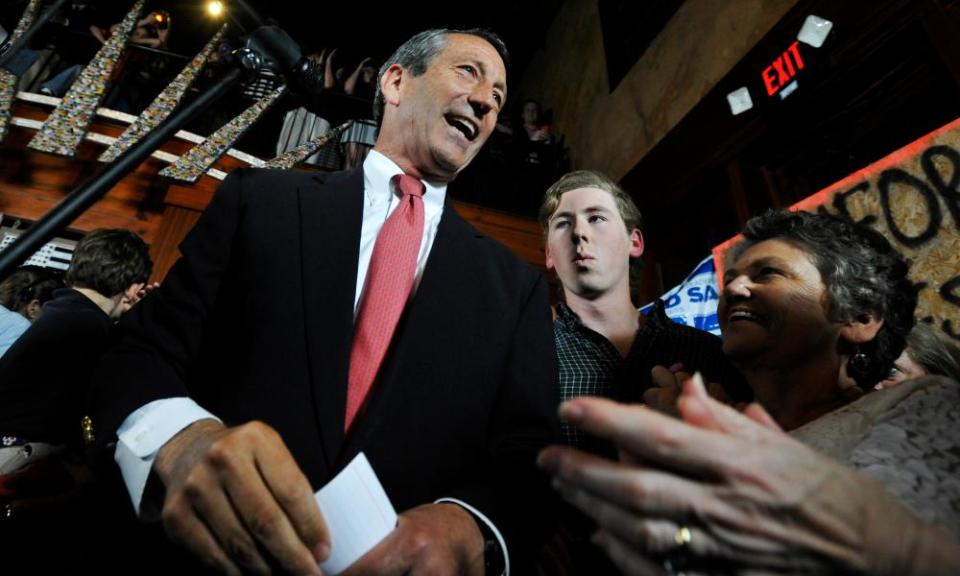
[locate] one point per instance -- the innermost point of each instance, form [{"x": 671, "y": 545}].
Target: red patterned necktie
[{"x": 389, "y": 281}]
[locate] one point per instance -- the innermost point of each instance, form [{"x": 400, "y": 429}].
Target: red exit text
[{"x": 783, "y": 69}]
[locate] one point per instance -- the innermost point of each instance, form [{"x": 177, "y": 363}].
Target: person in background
[
  {"x": 928, "y": 351},
  {"x": 153, "y": 30},
  {"x": 535, "y": 128},
  {"x": 45, "y": 376},
  {"x": 357, "y": 141},
  {"x": 140, "y": 74},
  {"x": 332, "y": 78},
  {"x": 22, "y": 296},
  {"x": 309, "y": 118},
  {"x": 82, "y": 37},
  {"x": 50, "y": 486}
]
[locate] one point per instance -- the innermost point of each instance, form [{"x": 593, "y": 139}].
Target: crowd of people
[
  {"x": 312, "y": 317},
  {"x": 51, "y": 63}
]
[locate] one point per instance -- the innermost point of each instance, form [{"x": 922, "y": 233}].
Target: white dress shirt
[{"x": 148, "y": 428}]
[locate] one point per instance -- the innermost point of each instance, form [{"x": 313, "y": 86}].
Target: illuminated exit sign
[
  {"x": 780, "y": 77},
  {"x": 783, "y": 70}
]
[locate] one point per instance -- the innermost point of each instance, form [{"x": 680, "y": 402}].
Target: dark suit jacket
[
  {"x": 44, "y": 376},
  {"x": 255, "y": 322}
]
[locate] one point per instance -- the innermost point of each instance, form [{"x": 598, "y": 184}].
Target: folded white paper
[{"x": 358, "y": 514}]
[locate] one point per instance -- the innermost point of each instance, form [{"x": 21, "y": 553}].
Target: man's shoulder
[
  {"x": 70, "y": 311},
  {"x": 274, "y": 196},
  {"x": 70, "y": 327},
  {"x": 257, "y": 177},
  {"x": 494, "y": 252},
  {"x": 270, "y": 181}
]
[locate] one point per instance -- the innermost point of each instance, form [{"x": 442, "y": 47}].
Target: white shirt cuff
[
  {"x": 478, "y": 514},
  {"x": 142, "y": 434}
]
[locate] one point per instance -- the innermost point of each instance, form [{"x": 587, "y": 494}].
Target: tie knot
[{"x": 408, "y": 185}]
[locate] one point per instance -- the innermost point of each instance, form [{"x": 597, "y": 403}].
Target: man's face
[
  {"x": 435, "y": 123},
  {"x": 588, "y": 244}
]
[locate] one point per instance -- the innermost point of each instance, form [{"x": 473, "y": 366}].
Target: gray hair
[
  {"x": 416, "y": 54},
  {"x": 934, "y": 351}
]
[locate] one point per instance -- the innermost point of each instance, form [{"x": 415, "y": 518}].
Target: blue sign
[{"x": 694, "y": 301}]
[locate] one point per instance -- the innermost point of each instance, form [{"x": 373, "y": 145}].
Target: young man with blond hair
[{"x": 593, "y": 242}]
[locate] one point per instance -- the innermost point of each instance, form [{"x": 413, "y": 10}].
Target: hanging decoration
[
  {"x": 67, "y": 125},
  {"x": 164, "y": 104},
  {"x": 294, "y": 156},
  {"x": 190, "y": 166},
  {"x": 8, "y": 80}
]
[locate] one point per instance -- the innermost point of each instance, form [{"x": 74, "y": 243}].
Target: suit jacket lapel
[{"x": 331, "y": 215}]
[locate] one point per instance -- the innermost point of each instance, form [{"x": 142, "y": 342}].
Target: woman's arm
[{"x": 351, "y": 82}]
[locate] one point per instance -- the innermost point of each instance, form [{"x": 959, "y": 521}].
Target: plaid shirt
[{"x": 590, "y": 365}]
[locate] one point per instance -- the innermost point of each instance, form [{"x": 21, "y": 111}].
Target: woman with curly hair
[{"x": 815, "y": 310}]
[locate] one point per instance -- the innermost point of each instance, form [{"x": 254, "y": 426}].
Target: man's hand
[
  {"x": 430, "y": 539},
  {"x": 134, "y": 294},
  {"x": 235, "y": 493}
]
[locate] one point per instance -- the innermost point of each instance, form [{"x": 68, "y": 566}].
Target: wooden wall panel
[{"x": 175, "y": 225}]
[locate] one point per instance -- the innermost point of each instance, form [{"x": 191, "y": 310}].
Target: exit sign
[
  {"x": 780, "y": 76},
  {"x": 783, "y": 70}
]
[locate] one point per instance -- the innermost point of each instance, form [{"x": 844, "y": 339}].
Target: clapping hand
[{"x": 719, "y": 489}]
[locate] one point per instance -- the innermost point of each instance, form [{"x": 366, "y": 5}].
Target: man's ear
[
  {"x": 390, "y": 84},
  {"x": 861, "y": 329},
  {"x": 548, "y": 258},
  {"x": 636, "y": 243}
]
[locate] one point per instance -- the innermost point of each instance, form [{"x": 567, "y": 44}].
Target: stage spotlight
[{"x": 215, "y": 8}]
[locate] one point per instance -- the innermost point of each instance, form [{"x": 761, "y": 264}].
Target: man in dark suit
[
  {"x": 45, "y": 375},
  {"x": 229, "y": 387}
]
